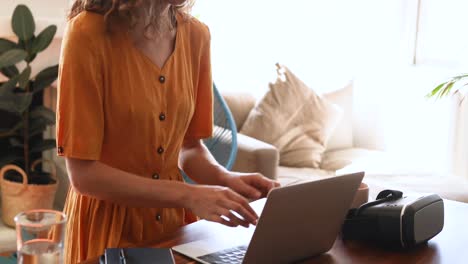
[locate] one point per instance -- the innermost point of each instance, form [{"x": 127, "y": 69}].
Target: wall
[
  {"x": 40, "y": 8},
  {"x": 325, "y": 42},
  {"x": 45, "y": 13}
]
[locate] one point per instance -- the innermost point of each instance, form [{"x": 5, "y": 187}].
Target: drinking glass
[{"x": 40, "y": 236}]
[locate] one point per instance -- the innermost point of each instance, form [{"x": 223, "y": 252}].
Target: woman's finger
[
  {"x": 231, "y": 217},
  {"x": 227, "y": 215},
  {"x": 261, "y": 182},
  {"x": 276, "y": 184},
  {"x": 248, "y": 191},
  {"x": 234, "y": 219},
  {"x": 245, "y": 203},
  {"x": 242, "y": 211},
  {"x": 221, "y": 220},
  {"x": 227, "y": 223}
]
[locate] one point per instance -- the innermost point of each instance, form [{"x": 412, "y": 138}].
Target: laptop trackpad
[{"x": 217, "y": 243}]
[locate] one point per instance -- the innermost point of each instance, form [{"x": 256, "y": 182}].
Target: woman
[{"x": 135, "y": 99}]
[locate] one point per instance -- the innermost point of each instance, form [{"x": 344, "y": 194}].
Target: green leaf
[
  {"x": 15, "y": 102},
  {"x": 23, "y": 45},
  {"x": 45, "y": 78},
  {"x": 460, "y": 77},
  {"x": 45, "y": 113},
  {"x": 43, "y": 145},
  {"x": 12, "y": 57},
  {"x": 43, "y": 40},
  {"x": 33, "y": 131},
  {"x": 30, "y": 58},
  {"x": 22, "y": 23},
  {"x": 435, "y": 90},
  {"x": 43, "y": 121},
  {"x": 9, "y": 86},
  {"x": 14, "y": 142},
  {"x": 6, "y": 45},
  {"x": 38, "y": 125},
  {"x": 23, "y": 78},
  {"x": 446, "y": 89},
  {"x": 10, "y": 71},
  {"x": 27, "y": 46}
]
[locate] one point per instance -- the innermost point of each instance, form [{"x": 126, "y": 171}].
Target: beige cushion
[
  {"x": 240, "y": 105},
  {"x": 256, "y": 156},
  {"x": 342, "y": 136},
  {"x": 293, "y": 118}
]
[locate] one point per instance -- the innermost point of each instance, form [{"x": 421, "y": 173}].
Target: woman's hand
[
  {"x": 250, "y": 185},
  {"x": 220, "y": 204}
]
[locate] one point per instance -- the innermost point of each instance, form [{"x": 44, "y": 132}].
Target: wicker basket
[{"x": 19, "y": 197}]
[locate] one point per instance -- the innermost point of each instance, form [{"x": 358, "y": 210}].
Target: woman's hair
[{"x": 124, "y": 12}]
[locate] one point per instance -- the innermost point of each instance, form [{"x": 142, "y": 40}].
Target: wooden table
[{"x": 450, "y": 246}]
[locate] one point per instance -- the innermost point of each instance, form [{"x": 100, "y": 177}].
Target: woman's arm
[
  {"x": 96, "y": 179},
  {"x": 197, "y": 161}
]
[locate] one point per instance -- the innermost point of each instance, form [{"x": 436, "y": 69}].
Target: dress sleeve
[
  {"x": 80, "y": 116},
  {"x": 201, "y": 125}
]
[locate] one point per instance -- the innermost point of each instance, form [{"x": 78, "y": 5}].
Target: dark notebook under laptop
[{"x": 137, "y": 256}]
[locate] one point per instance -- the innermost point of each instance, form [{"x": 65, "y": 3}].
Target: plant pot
[
  {"x": 18, "y": 197},
  {"x": 362, "y": 196}
]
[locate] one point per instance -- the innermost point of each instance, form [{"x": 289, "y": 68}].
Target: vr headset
[{"x": 396, "y": 220}]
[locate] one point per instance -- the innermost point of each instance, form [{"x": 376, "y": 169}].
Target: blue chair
[
  {"x": 223, "y": 143},
  {"x": 9, "y": 260}
]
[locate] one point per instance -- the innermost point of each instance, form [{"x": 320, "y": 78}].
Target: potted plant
[
  {"x": 23, "y": 184},
  {"x": 449, "y": 87}
]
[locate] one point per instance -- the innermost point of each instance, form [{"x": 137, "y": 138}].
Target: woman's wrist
[
  {"x": 184, "y": 195},
  {"x": 223, "y": 177}
]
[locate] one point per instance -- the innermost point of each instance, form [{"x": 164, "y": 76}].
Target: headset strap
[{"x": 382, "y": 197}]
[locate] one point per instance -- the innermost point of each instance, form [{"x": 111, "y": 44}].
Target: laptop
[{"x": 297, "y": 222}]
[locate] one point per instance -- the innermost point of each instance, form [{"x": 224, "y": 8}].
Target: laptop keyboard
[{"x": 227, "y": 256}]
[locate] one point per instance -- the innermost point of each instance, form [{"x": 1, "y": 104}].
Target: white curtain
[
  {"x": 460, "y": 142},
  {"x": 443, "y": 43},
  {"x": 442, "y": 38}
]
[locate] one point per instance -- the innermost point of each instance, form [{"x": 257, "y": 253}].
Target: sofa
[{"x": 343, "y": 154}]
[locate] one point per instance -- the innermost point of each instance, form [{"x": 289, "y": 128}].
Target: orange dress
[{"x": 116, "y": 106}]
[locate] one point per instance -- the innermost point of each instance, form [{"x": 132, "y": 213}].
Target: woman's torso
[{"x": 147, "y": 111}]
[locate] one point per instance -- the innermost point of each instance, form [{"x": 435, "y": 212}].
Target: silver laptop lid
[{"x": 302, "y": 220}]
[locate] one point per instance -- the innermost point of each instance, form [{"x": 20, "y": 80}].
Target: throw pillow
[
  {"x": 295, "y": 119},
  {"x": 342, "y": 136}
]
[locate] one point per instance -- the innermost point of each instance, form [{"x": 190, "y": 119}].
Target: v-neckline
[{"x": 169, "y": 59}]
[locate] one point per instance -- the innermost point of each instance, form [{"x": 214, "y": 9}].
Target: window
[{"x": 443, "y": 35}]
